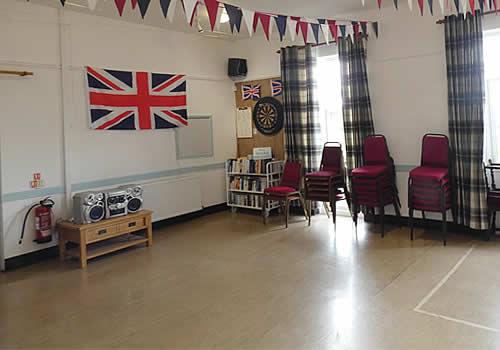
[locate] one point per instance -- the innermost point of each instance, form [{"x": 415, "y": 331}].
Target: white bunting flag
[
  {"x": 410, "y": 4},
  {"x": 363, "y": 2},
  {"x": 326, "y": 33},
  {"x": 441, "y": 3},
  {"x": 171, "y": 10},
  {"x": 190, "y": 7},
  {"x": 292, "y": 28},
  {"x": 248, "y": 17},
  {"x": 92, "y": 4},
  {"x": 464, "y": 7}
]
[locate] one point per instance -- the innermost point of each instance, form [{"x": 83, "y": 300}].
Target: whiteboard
[{"x": 196, "y": 139}]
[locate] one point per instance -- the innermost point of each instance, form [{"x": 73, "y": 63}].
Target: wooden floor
[{"x": 226, "y": 281}]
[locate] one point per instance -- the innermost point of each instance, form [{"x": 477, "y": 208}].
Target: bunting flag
[
  {"x": 248, "y": 16},
  {"x": 63, "y": 2},
  {"x": 421, "y": 6},
  {"x": 291, "y": 28},
  {"x": 364, "y": 29},
  {"x": 457, "y": 5},
  {"x": 235, "y": 17},
  {"x": 190, "y": 9},
  {"x": 355, "y": 29},
  {"x": 375, "y": 28},
  {"x": 472, "y": 4},
  {"x": 264, "y": 20},
  {"x": 495, "y": 5},
  {"x": 212, "y": 10},
  {"x": 379, "y": 3},
  {"x": 304, "y": 28},
  {"x": 120, "y": 4},
  {"x": 315, "y": 30},
  {"x": 342, "y": 30},
  {"x": 410, "y": 5},
  {"x": 481, "y": 5},
  {"x": 431, "y": 7},
  {"x": 92, "y": 4},
  {"x": 134, "y": 4},
  {"x": 441, "y": 4},
  {"x": 165, "y": 4},
  {"x": 281, "y": 25},
  {"x": 143, "y": 7},
  {"x": 325, "y": 31},
  {"x": 396, "y": 4},
  {"x": 334, "y": 30}
]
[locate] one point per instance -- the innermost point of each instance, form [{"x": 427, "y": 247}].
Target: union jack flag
[
  {"x": 250, "y": 92},
  {"x": 122, "y": 100},
  {"x": 276, "y": 87}
]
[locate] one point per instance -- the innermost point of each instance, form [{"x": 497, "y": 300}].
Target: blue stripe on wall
[{"x": 88, "y": 185}]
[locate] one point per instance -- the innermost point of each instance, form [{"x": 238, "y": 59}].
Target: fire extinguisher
[{"x": 43, "y": 221}]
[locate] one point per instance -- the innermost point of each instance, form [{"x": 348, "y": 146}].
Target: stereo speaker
[
  {"x": 237, "y": 68},
  {"x": 134, "y": 197},
  {"x": 88, "y": 207}
]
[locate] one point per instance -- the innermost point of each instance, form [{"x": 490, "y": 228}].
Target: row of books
[
  {"x": 248, "y": 166},
  {"x": 247, "y": 184},
  {"x": 248, "y": 200}
]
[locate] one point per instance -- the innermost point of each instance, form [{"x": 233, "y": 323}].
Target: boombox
[{"x": 89, "y": 207}]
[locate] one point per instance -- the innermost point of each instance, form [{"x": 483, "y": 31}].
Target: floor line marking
[
  {"x": 444, "y": 280},
  {"x": 467, "y": 323}
]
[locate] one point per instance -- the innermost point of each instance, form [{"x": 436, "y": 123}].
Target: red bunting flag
[
  {"x": 120, "y": 4},
  {"x": 264, "y": 21},
  {"x": 334, "y": 29},
  {"x": 379, "y": 3},
  {"x": 304, "y": 27},
  {"x": 421, "y": 6},
  {"x": 134, "y": 4},
  {"x": 473, "y": 6},
  {"x": 212, "y": 9}
]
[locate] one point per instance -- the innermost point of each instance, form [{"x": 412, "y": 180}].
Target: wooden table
[{"x": 105, "y": 236}]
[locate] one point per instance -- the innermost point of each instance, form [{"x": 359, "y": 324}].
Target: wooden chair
[
  {"x": 429, "y": 188},
  {"x": 288, "y": 190},
  {"x": 493, "y": 194},
  {"x": 373, "y": 184}
]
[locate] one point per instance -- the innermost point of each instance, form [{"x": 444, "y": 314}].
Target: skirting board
[{"x": 52, "y": 252}]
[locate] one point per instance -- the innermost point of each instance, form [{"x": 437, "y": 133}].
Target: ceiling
[{"x": 320, "y": 8}]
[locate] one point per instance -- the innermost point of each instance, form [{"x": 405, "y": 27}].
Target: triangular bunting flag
[
  {"x": 171, "y": 10},
  {"x": 364, "y": 29},
  {"x": 143, "y": 7},
  {"x": 379, "y": 3},
  {"x": 375, "y": 28},
  {"x": 304, "y": 27},
  {"x": 495, "y": 5},
  {"x": 355, "y": 29},
  {"x": 190, "y": 9},
  {"x": 342, "y": 31},
  {"x": 291, "y": 28},
  {"x": 164, "y": 4},
  {"x": 431, "y": 7},
  {"x": 396, "y": 4},
  {"x": 315, "y": 30},
  {"x": 464, "y": 8},
  {"x": 321, "y": 21},
  {"x": 481, "y": 5},
  {"x": 92, "y": 4},
  {"x": 248, "y": 16},
  {"x": 472, "y": 4},
  {"x": 63, "y": 2},
  {"x": 410, "y": 5},
  {"x": 333, "y": 29},
  {"x": 457, "y": 5},
  {"x": 325, "y": 30},
  {"x": 212, "y": 10},
  {"x": 363, "y": 2},
  {"x": 120, "y": 4},
  {"x": 421, "y": 6},
  {"x": 264, "y": 21},
  {"x": 134, "y": 4},
  {"x": 441, "y": 4},
  {"x": 281, "y": 25},
  {"x": 235, "y": 17}
]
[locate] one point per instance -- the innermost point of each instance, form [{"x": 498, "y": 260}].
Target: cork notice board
[{"x": 276, "y": 142}]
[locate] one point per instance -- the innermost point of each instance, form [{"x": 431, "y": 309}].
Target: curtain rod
[
  {"x": 16, "y": 72},
  {"x": 442, "y": 21},
  {"x": 313, "y": 45}
]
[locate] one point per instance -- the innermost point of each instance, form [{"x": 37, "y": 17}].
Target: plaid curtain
[
  {"x": 356, "y": 105},
  {"x": 302, "y": 126},
  {"x": 464, "y": 61}
]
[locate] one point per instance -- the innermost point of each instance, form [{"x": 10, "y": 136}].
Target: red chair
[
  {"x": 373, "y": 184},
  {"x": 328, "y": 184},
  {"x": 493, "y": 194},
  {"x": 429, "y": 188},
  {"x": 288, "y": 190}
]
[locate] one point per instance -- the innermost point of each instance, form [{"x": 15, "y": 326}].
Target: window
[
  {"x": 492, "y": 92},
  {"x": 330, "y": 99}
]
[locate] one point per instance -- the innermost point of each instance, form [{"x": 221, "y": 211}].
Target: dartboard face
[{"x": 268, "y": 115}]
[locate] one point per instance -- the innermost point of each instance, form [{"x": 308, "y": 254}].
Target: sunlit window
[{"x": 492, "y": 89}]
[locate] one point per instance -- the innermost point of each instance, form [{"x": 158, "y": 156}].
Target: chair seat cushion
[
  {"x": 369, "y": 170},
  {"x": 429, "y": 173},
  {"x": 280, "y": 190},
  {"x": 323, "y": 173},
  {"x": 494, "y": 200}
]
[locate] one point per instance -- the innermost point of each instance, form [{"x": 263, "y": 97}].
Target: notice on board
[{"x": 244, "y": 123}]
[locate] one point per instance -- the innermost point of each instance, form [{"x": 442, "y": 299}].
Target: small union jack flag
[
  {"x": 250, "y": 92},
  {"x": 121, "y": 100},
  {"x": 276, "y": 87}
]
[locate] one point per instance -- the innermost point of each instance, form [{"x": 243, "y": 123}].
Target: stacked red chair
[
  {"x": 429, "y": 188},
  {"x": 328, "y": 184},
  {"x": 288, "y": 190},
  {"x": 373, "y": 184},
  {"x": 493, "y": 194}
]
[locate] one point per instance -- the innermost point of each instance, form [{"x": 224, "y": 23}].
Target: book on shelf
[
  {"x": 248, "y": 166},
  {"x": 247, "y": 200},
  {"x": 247, "y": 184}
]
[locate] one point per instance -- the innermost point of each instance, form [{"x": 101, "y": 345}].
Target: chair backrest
[
  {"x": 435, "y": 151},
  {"x": 494, "y": 170},
  {"x": 375, "y": 150},
  {"x": 331, "y": 159},
  {"x": 292, "y": 175}
]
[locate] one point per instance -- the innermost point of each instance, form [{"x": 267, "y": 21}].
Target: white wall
[{"x": 31, "y": 118}]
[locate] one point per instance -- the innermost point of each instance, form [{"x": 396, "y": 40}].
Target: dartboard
[{"x": 268, "y": 115}]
